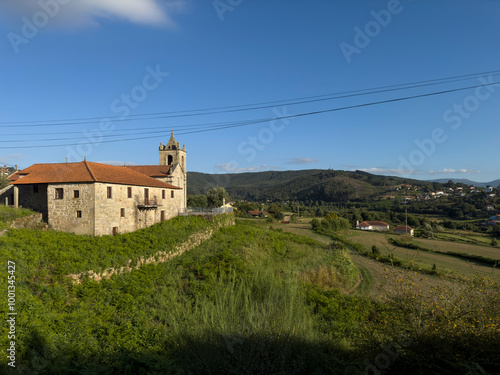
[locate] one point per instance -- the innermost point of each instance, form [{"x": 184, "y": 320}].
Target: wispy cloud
[
  {"x": 80, "y": 13},
  {"x": 386, "y": 171},
  {"x": 455, "y": 171},
  {"x": 230, "y": 167},
  {"x": 301, "y": 161}
]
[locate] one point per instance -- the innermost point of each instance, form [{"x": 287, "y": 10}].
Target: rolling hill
[
  {"x": 494, "y": 183},
  {"x": 311, "y": 184}
]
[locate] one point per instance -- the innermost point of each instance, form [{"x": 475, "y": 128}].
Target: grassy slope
[
  {"x": 377, "y": 278},
  {"x": 249, "y": 301}
]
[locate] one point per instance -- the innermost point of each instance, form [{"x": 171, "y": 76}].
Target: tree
[
  {"x": 197, "y": 201},
  {"x": 216, "y": 196},
  {"x": 275, "y": 210},
  {"x": 3, "y": 181},
  {"x": 496, "y": 229}
]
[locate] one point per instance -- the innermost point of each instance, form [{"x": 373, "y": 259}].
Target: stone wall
[
  {"x": 63, "y": 213},
  {"x": 108, "y": 210},
  {"x": 29, "y": 222},
  {"x": 223, "y": 220},
  {"x": 7, "y": 195},
  {"x": 36, "y": 201}
]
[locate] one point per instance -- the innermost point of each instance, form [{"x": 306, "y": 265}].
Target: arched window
[{"x": 170, "y": 159}]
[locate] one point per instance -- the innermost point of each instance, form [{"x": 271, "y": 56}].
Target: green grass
[
  {"x": 450, "y": 265},
  {"x": 50, "y": 255},
  {"x": 250, "y": 300},
  {"x": 8, "y": 215}
]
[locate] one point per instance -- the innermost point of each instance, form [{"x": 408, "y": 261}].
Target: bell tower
[{"x": 171, "y": 153}]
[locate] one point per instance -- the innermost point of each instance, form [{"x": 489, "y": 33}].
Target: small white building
[{"x": 379, "y": 226}]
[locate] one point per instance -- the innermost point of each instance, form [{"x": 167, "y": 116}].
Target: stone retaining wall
[{"x": 160, "y": 257}]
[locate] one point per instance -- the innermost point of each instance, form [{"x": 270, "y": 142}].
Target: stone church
[{"x": 99, "y": 199}]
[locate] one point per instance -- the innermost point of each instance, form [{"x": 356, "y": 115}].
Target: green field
[
  {"x": 250, "y": 300},
  {"x": 446, "y": 263}
]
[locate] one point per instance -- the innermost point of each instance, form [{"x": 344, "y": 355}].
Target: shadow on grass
[{"x": 214, "y": 353}]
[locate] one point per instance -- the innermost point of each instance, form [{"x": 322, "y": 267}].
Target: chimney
[{"x": 66, "y": 160}]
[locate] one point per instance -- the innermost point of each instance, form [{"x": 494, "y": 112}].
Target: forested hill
[{"x": 312, "y": 184}]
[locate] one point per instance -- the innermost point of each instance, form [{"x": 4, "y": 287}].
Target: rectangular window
[
  {"x": 146, "y": 196},
  {"x": 35, "y": 188},
  {"x": 110, "y": 192},
  {"x": 115, "y": 231},
  {"x": 122, "y": 212},
  {"x": 163, "y": 194},
  {"x": 76, "y": 194},
  {"x": 162, "y": 216},
  {"x": 129, "y": 192},
  {"x": 172, "y": 194},
  {"x": 59, "y": 193},
  {"x": 79, "y": 214}
]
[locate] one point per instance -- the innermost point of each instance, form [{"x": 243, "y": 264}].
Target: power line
[
  {"x": 251, "y": 107},
  {"x": 251, "y": 122}
]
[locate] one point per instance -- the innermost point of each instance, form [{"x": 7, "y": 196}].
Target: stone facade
[
  {"x": 92, "y": 211},
  {"x": 34, "y": 197},
  {"x": 63, "y": 212}
]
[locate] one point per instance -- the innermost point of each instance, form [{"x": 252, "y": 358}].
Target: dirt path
[{"x": 383, "y": 277}]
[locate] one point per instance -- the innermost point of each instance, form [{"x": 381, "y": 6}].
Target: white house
[{"x": 379, "y": 226}]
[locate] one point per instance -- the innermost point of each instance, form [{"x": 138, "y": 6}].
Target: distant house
[
  {"x": 256, "y": 213},
  {"x": 489, "y": 189},
  {"x": 379, "y": 226},
  {"x": 403, "y": 229},
  {"x": 493, "y": 220},
  {"x": 4, "y": 172},
  {"x": 490, "y": 208}
]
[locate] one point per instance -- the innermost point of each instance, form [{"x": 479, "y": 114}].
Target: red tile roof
[
  {"x": 86, "y": 172},
  {"x": 372, "y": 223},
  {"x": 13, "y": 176},
  {"x": 152, "y": 170}
]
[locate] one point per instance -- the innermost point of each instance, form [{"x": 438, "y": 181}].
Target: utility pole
[{"x": 406, "y": 222}]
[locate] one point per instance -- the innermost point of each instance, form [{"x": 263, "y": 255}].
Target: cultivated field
[{"x": 446, "y": 263}]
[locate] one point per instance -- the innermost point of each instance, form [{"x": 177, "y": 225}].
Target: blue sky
[{"x": 108, "y": 59}]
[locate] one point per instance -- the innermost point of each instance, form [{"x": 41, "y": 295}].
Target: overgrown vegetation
[
  {"x": 8, "y": 215},
  {"x": 248, "y": 301}
]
